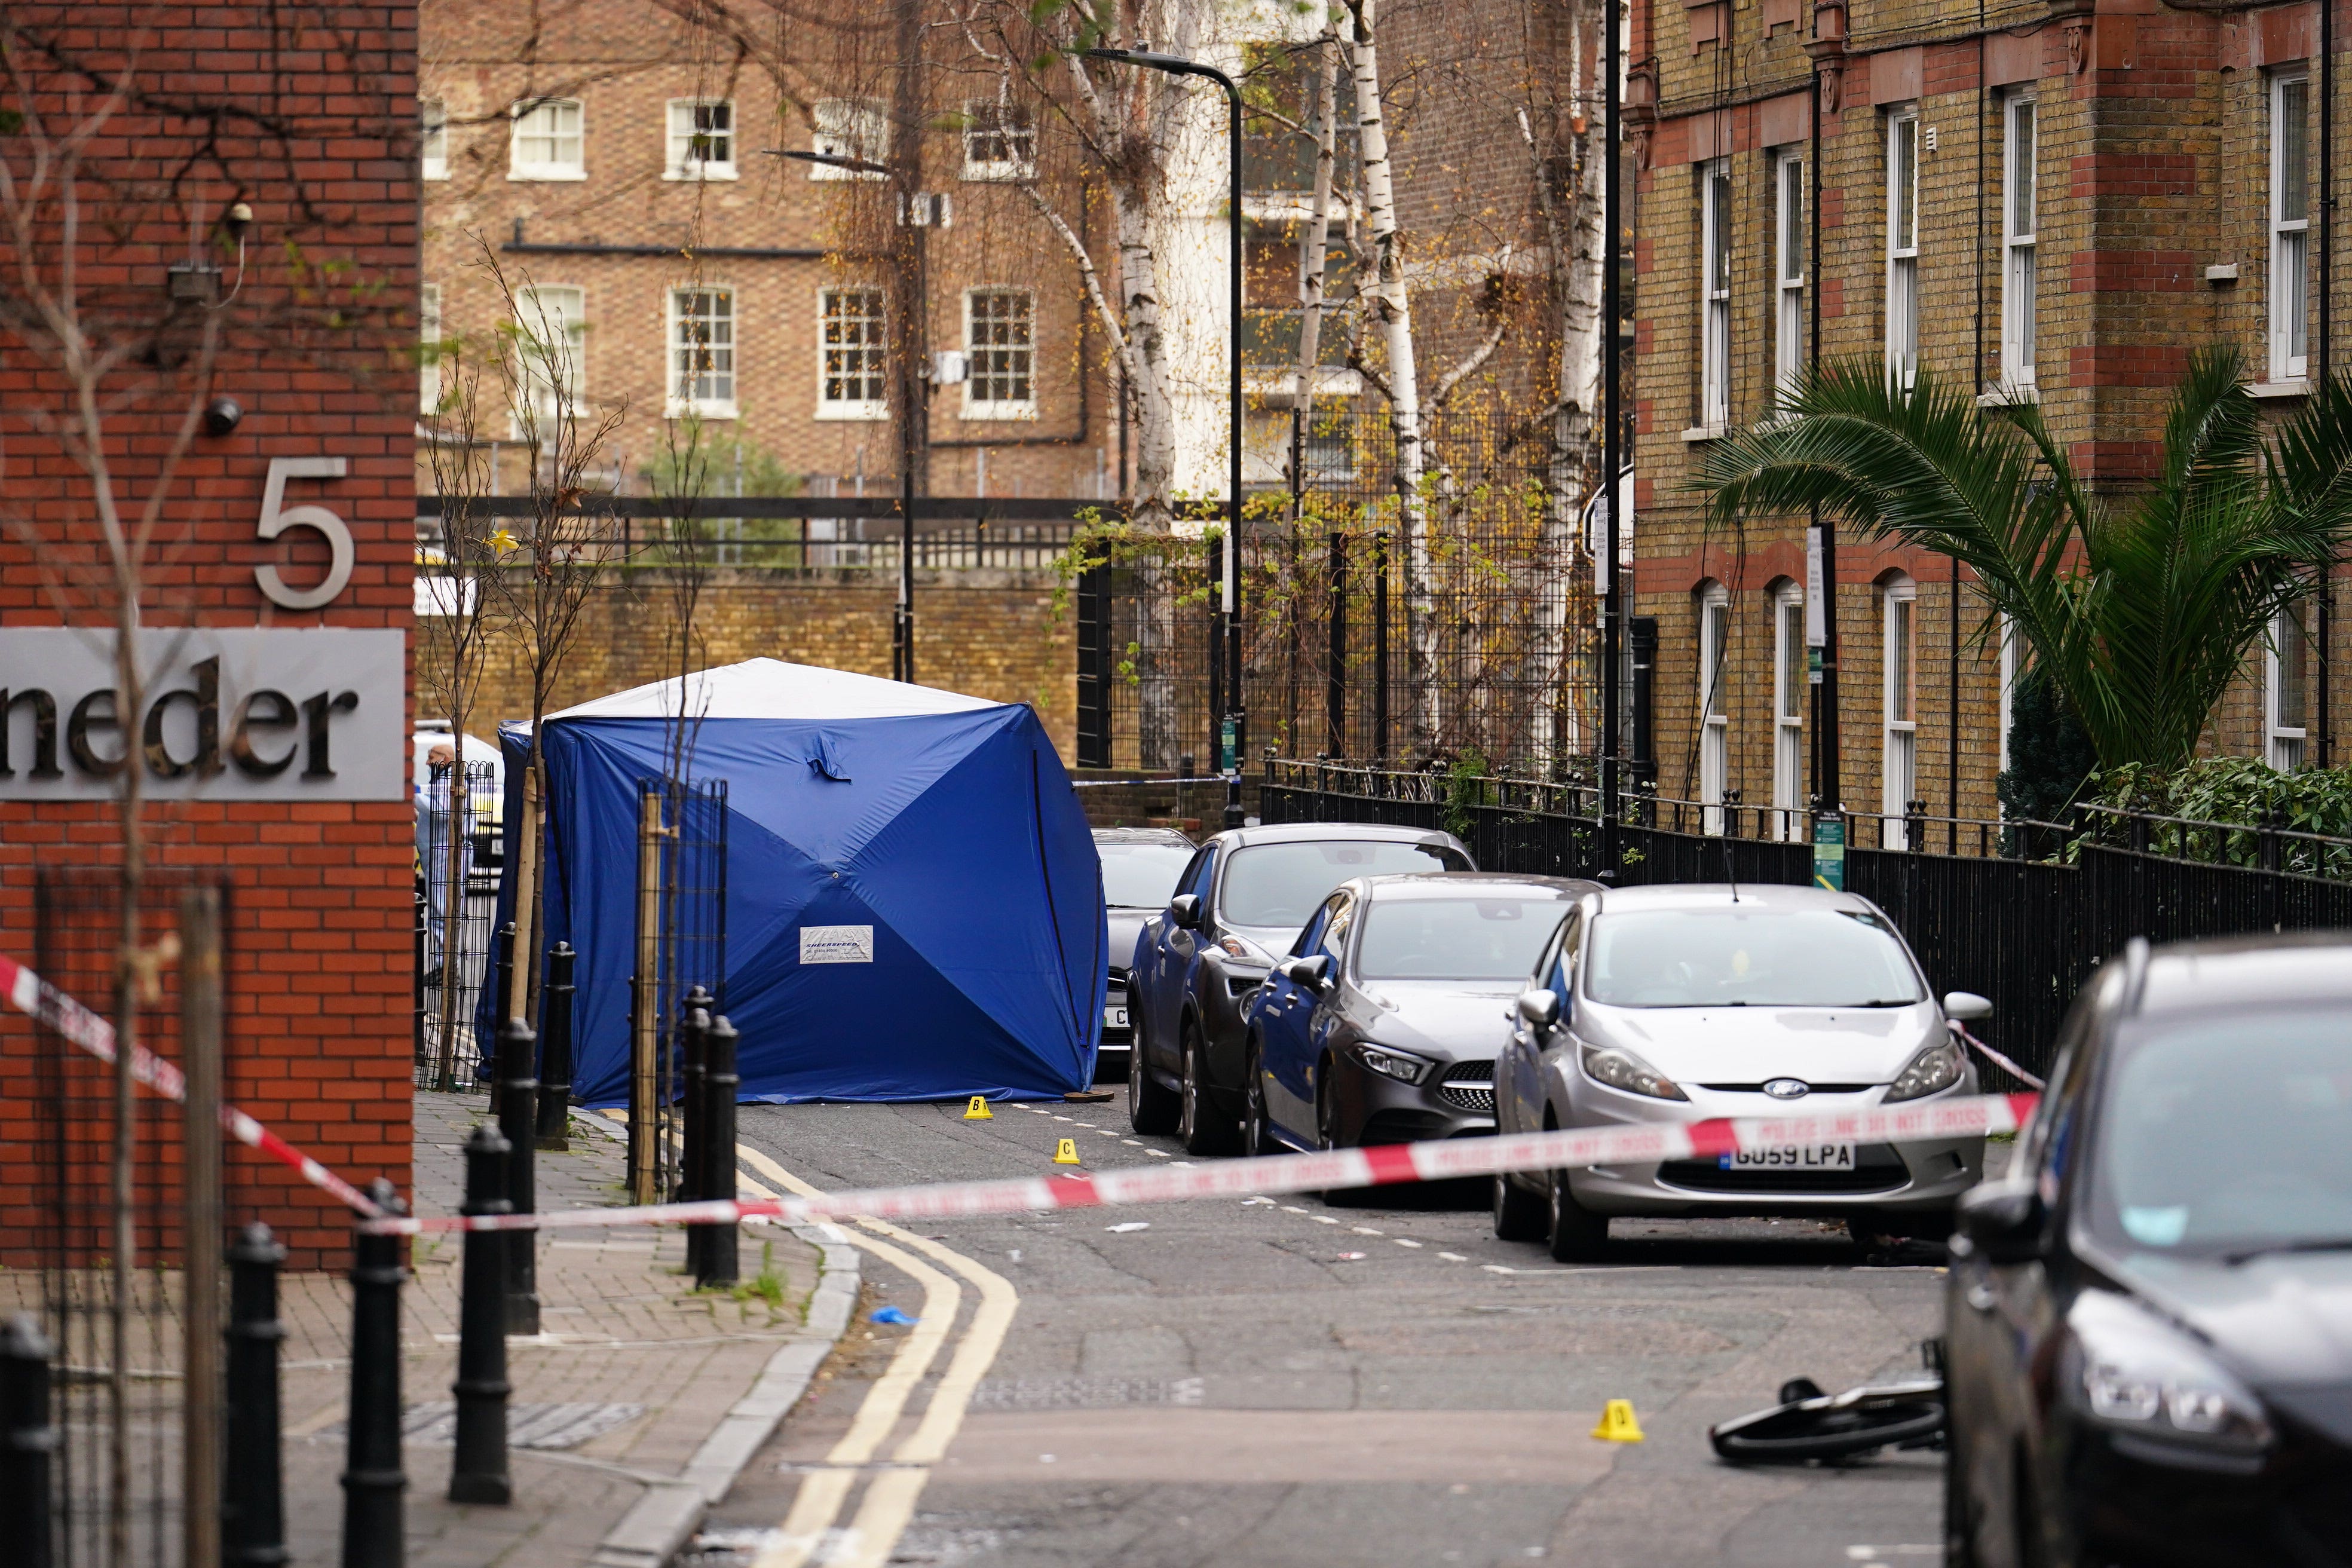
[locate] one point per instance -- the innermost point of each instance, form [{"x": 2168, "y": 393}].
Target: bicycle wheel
[{"x": 1835, "y": 1427}]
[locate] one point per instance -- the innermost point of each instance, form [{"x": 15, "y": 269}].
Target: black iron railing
[{"x": 2017, "y": 911}]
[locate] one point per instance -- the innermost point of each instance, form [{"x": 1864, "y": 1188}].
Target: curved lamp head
[{"x": 1149, "y": 58}]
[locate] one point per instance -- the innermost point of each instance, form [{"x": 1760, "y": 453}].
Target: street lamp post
[
  {"x": 916, "y": 212},
  {"x": 1234, "y": 739}
]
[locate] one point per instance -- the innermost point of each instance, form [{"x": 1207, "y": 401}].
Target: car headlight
[
  {"x": 1402, "y": 1065},
  {"x": 1936, "y": 1067},
  {"x": 1621, "y": 1069},
  {"x": 1234, "y": 947},
  {"x": 2132, "y": 1375}
]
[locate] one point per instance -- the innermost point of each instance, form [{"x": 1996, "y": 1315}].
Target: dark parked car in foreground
[
  {"x": 1382, "y": 1025},
  {"x": 2148, "y": 1323},
  {"x": 1239, "y": 905},
  {"x": 1140, "y": 868}
]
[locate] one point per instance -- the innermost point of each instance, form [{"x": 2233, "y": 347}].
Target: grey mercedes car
[
  {"x": 1382, "y": 1024},
  {"x": 1682, "y": 1002},
  {"x": 1238, "y": 906}
]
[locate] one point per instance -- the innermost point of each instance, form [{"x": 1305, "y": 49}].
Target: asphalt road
[{"x": 1288, "y": 1382}]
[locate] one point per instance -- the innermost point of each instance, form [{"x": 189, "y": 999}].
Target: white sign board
[
  {"x": 231, "y": 713},
  {"x": 836, "y": 944}
]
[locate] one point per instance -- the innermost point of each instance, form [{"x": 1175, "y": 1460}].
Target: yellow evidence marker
[
  {"x": 1617, "y": 1423},
  {"x": 1066, "y": 1152},
  {"x": 978, "y": 1109}
]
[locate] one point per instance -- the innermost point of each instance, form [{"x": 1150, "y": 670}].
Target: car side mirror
[
  {"x": 1313, "y": 972},
  {"x": 2003, "y": 1220},
  {"x": 1184, "y": 911},
  {"x": 1966, "y": 1006},
  {"x": 1539, "y": 1008}
]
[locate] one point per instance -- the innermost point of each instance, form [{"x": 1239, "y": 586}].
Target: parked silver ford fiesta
[{"x": 1682, "y": 1002}]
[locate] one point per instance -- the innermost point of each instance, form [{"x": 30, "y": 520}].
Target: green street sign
[
  {"x": 1829, "y": 853},
  {"x": 1226, "y": 745}
]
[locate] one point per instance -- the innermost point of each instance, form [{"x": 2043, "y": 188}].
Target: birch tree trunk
[
  {"x": 1389, "y": 300},
  {"x": 1314, "y": 256}
]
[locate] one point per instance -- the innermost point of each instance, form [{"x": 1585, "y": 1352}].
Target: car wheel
[
  {"x": 1257, "y": 1126},
  {"x": 1150, "y": 1106},
  {"x": 1574, "y": 1233},
  {"x": 1519, "y": 1215},
  {"x": 1197, "y": 1122}
]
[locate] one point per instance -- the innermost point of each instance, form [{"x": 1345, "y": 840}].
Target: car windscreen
[
  {"x": 1754, "y": 957},
  {"x": 1280, "y": 884},
  {"x": 1141, "y": 876},
  {"x": 1454, "y": 939},
  {"x": 2225, "y": 1134}
]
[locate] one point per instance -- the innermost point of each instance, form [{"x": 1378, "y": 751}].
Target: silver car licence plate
[{"x": 1790, "y": 1157}]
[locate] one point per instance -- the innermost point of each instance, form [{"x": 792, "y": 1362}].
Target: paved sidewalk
[{"x": 660, "y": 1384}]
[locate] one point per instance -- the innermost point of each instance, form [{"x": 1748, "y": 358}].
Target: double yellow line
[{"x": 808, "y": 1532}]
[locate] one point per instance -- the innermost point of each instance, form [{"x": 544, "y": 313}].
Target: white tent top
[{"x": 770, "y": 688}]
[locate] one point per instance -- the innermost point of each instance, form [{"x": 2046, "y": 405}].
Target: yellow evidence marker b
[
  {"x": 1617, "y": 1423},
  {"x": 978, "y": 1109},
  {"x": 1066, "y": 1152}
]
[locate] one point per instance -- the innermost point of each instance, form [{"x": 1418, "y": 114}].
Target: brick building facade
[
  {"x": 2047, "y": 201},
  {"x": 309, "y": 119}
]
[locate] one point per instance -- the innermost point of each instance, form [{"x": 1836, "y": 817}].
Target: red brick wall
[{"x": 313, "y": 349}]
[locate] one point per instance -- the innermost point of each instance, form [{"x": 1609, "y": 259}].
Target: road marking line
[
  {"x": 1406, "y": 1241},
  {"x": 1366, "y": 1230},
  {"x": 1293, "y": 1208},
  {"x": 888, "y": 1506},
  {"x": 1321, "y": 1218},
  {"x": 1453, "y": 1257}
]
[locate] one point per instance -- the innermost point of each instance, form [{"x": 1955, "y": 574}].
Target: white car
[{"x": 1684, "y": 1003}]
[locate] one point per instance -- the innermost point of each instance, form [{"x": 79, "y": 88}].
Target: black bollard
[
  {"x": 26, "y": 1439},
  {"x": 555, "y": 1051},
  {"x": 253, "y": 1506},
  {"x": 720, "y": 1083},
  {"x": 373, "y": 1483},
  {"x": 506, "y": 954},
  {"x": 518, "y": 1111},
  {"x": 478, "y": 1472},
  {"x": 694, "y": 1026}
]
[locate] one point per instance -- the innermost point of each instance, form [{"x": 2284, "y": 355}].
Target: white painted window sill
[
  {"x": 703, "y": 410},
  {"x": 1707, "y": 432},
  {"x": 853, "y": 411},
  {"x": 999, "y": 411},
  {"x": 2297, "y": 386},
  {"x": 697, "y": 176},
  {"x": 2008, "y": 396},
  {"x": 530, "y": 174}
]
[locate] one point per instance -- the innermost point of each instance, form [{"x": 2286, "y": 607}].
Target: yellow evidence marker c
[
  {"x": 1066, "y": 1152},
  {"x": 978, "y": 1109},
  {"x": 1617, "y": 1423}
]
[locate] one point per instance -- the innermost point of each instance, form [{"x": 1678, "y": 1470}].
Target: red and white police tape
[
  {"x": 44, "y": 1003},
  {"x": 1639, "y": 1144}
]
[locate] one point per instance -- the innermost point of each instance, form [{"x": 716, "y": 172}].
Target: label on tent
[{"x": 836, "y": 944}]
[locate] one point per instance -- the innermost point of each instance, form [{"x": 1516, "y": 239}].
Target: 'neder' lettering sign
[{"x": 230, "y": 713}]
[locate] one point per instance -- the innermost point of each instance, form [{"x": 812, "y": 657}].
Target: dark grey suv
[{"x": 1238, "y": 907}]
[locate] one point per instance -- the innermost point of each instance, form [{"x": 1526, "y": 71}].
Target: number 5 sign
[{"x": 277, "y": 518}]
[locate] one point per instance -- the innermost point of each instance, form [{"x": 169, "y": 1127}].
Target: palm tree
[{"x": 2145, "y": 607}]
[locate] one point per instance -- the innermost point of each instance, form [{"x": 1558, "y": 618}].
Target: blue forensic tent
[{"x": 914, "y": 905}]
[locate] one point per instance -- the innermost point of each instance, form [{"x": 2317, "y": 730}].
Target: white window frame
[
  {"x": 680, "y": 397},
  {"x": 1714, "y": 723},
  {"x": 531, "y": 317},
  {"x": 2290, "y": 237},
  {"x": 432, "y": 139},
  {"x": 524, "y": 117},
  {"x": 679, "y": 159},
  {"x": 1022, "y": 355},
  {"x": 851, "y": 407},
  {"x": 1790, "y": 689},
  {"x": 1898, "y": 654},
  {"x": 849, "y": 128},
  {"x": 1715, "y": 294},
  {"x": 1788, "y": 236},
  {"x": 1016, "y": 133},
  {"x": 2020, "y": 200},
  {"x": 428, "y": 360},
  {"x": 2284, "y": 743},
  {"x": 1903, "y": 243}
]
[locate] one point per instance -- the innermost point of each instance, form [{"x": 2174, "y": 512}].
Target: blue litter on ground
[{"x": 891, "y": 1315}]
